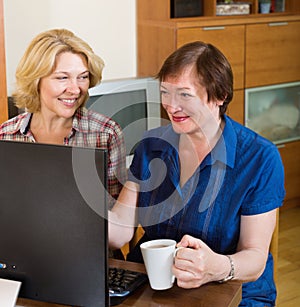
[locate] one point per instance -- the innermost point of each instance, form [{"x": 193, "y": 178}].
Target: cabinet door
[
  {"x": 155, "y": 44},
  {"x": 236, "y": 107},
  {"x": 229, "y": 39},
  {"x": 272, "y": 53},
  {"x": 290, "y": 154}
]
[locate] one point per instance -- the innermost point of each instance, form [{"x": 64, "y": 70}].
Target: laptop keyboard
[{"x": 122, "y": 283}]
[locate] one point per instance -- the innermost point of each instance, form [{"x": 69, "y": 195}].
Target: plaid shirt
[{"x": 90, "y": 129}]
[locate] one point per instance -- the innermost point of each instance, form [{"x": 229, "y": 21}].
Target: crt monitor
[
  {"x": 133, "y": 102},
  {"x": 53, "y": 227}
]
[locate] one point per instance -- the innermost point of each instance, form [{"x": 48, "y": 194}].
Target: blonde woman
[{"x": 52, "y": 82}]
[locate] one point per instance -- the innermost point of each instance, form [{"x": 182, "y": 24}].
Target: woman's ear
[{"x": 220, "y": 102}]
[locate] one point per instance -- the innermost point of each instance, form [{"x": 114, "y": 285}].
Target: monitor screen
[
  {"x": 53, "y": 227},
  {"x": 128, "y": 109},
  {"x": 134, "y": 103}
]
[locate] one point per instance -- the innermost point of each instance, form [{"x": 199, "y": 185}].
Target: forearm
[
  {"x": 119, "y": 232},
  {"x": 122, "y": 217},
  {"x": 253, "y": 247},
  {"x": 248, "y": 265}
]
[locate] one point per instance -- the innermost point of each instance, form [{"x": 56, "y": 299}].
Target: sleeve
[
  {"x": 117, "y": 173},
  {"x": 267, "y": 191},
  {"x": 135, "y": 167}
]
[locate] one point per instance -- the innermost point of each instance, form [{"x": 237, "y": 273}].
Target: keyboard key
[{"x": 122, "y": 283}]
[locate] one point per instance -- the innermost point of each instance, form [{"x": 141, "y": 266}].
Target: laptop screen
[{"x": 53, "y": 227}]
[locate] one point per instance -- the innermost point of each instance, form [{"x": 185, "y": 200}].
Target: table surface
[{"x": 213, "y": 294}]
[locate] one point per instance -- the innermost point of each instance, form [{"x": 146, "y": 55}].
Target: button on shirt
[{"x": 242, "y": 175}]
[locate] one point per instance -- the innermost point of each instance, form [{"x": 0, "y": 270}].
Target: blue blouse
[{"x": 242, "y": 175}]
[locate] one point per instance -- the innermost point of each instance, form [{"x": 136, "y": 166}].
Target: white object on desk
[
  {"x": 9, "y": 291},
  {"x": 158, "y": 257}
]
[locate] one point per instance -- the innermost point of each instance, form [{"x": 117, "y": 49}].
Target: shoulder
[
  {"x": 248, "y": 139},
  {"x": 158, "y": 141},
  {"x": 254, "y": 149},
  {"x": 14, "y": 124},
  {"x": 258, "y": 171}
]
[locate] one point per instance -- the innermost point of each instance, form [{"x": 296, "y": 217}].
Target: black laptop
[{"x": 53, "y": 227}]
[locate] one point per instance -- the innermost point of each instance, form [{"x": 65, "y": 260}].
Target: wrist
[{"x": 231, "y": 272}]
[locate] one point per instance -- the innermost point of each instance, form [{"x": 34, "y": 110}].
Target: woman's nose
[
  {"x": 73, "y": 87},
  {"x": 171, "y": 105}
]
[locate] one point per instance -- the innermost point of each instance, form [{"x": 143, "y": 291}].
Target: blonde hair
[{"x": 39, "y": 59}]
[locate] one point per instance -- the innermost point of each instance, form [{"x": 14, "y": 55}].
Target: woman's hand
[{"x": 196, "y": 264}]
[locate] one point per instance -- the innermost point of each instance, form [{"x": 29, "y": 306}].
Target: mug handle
[{"x": 174, "y": 255}]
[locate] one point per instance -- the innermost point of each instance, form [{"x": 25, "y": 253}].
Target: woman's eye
[
  {"x": 84, "y": 77},
  {"x": 186, "y": 95}
]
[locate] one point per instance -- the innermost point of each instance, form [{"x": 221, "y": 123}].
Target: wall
[{"x": 109, "y": 26}]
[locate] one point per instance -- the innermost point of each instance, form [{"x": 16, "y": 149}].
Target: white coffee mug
[{"x": 158, "y": 257}]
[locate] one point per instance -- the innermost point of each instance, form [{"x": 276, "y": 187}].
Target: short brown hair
[{"x": 212, "y": 67}]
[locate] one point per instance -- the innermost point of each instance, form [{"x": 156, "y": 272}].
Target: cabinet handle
[
  {"x": 280, "y": 146},
  {"x": 276, "y": 24},
  {"x": 213, "y": 28}
]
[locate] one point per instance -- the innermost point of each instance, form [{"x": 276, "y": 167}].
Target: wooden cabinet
[
  {"x": 262, "y": 48},
  {"x": 236, "y": 106},
  {"x": 155, "y": 43},
  {"x": 290, "y": 154},
  {"x": 272, "y": 53},
  {"x": 3, "y": 90},
  {"x": 274, "y": 36}
]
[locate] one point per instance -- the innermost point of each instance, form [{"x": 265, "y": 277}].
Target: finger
[
  {"x": 189, "y": 284},
  {"x": 188, "y": 254},
  {"x": 189, "y": 241},
  {"x": 186, "y": 279}
]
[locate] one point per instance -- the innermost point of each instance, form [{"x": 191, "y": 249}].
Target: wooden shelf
[{"x": 161, "y": 9}]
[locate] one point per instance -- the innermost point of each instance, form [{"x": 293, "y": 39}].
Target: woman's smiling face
[
  {"x": 186, "y": 102},
  {"x": 64, "y": 90}
]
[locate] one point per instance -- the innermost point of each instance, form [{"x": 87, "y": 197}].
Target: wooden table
[{"x": 217, "y": 295}]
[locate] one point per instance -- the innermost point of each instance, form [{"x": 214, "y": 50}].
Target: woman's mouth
[
  {"x": 179, "y": 119},
  {"x": 69, "y": 102}
]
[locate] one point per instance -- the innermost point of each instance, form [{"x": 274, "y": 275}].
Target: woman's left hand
[{"x": 196, "y": 264}]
